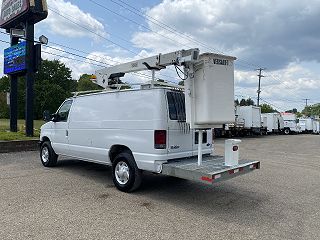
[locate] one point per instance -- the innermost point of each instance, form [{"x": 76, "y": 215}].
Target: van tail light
[{"x": 160, "y": 139}]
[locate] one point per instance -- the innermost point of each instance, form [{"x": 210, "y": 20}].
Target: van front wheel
[
  {"x": 125, "y": 173},
  {"x": 47, "y": 155}
]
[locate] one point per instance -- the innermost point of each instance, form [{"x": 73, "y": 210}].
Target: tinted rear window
[{"x": 176, "y": 104}]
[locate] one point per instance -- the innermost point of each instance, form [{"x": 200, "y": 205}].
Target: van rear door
[{"x": 180, "y": 137}]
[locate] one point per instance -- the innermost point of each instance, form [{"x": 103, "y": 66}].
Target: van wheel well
[
  {"x": 116, "y": 149},
  {"x": 45, "y": 139}
]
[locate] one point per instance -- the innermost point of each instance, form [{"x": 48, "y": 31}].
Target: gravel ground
[{"x": 77, "y": 200}]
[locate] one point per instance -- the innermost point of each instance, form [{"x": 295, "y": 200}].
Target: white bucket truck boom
[{"x": 137, "y": 128}]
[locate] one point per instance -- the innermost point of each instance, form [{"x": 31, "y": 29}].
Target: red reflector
[
  {"x": 207, "y": 179},
  {"x": 231, "y": 171},
  {"x": 235, "y": 148},
  {"x": 241, "y": 169},
  {"x": 160, "y": 139}
]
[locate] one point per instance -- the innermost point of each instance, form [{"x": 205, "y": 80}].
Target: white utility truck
[
  {"x": 306, "y": 125},
  {"x": 252, "y": 118},
  {"x": 291, "y": 123},
  {"x": 158, "y": 129},
  {"x": 316, "y": 127},
  {"x": 275, "y": 123},
  {"x": 264, "y": 125}
]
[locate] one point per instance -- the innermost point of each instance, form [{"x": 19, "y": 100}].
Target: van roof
[{"x": 126, "y": 90}]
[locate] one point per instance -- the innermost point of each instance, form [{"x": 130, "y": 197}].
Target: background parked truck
[{"x": 291, "y": 123}]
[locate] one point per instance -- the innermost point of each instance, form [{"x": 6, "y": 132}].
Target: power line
[
  {"x": 93, "y": 32},
  {"x": 171, "y": 29},
  {"x": 105, "y": 64},
  {"x": 138, "y": 24},
  {"x": 87, "y": 58}
]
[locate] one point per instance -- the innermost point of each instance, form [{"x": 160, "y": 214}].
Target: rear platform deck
[{"x": 211, "y": 171}]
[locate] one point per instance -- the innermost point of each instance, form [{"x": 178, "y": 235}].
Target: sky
[{"x": 281, "y": 36}]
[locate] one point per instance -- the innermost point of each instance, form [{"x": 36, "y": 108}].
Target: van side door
[{"x": 60, "y": 134}]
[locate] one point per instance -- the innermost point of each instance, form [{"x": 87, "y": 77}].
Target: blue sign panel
[{"x": 15, "y": 59}]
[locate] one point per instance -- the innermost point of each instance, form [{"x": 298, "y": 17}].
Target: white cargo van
[{"x": 155, "y": 129}]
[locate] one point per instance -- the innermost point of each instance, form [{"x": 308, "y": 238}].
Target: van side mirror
[
  {"x": 46, "y": 116},
  {"x": 55, "y": 117}
]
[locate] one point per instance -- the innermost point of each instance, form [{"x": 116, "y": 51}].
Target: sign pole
[
  {"x": 29, "y": 78},
  {"x": 14, "y": 96}
]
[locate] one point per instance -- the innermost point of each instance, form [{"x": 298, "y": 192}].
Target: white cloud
[
  {"x": 286, "y": 88},
  {"x": 279, "y": 35},
  {"x": 92, "y": 62},
  {"x": 273, "y": 33},
  {"x": 64, "y": 27}
]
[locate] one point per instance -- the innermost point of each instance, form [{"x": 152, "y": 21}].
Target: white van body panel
[
  {"x": 316, "y": 126},
  {"x": 290, "y": 121},
  {"x": 251, "y": 116},
  {"x": 306, "y": 124},
  {"x": 128, "y": 118},
  {"x": 274, "y": 122}
]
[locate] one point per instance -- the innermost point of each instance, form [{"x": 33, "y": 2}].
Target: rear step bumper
[{"x": 211, "y": 171}]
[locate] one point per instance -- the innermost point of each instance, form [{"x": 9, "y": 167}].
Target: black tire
[
  {"x": 129, "y": 183},
  {"x": 47, "y": 155},
  {"x": 287, "y": 131}
]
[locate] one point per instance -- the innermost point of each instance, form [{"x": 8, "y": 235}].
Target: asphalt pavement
[{"x": 77, "y": 200}]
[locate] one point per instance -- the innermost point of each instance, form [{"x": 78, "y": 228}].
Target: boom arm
[{"x": 158, "y": 62}]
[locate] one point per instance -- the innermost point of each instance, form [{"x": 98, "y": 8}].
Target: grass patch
[{"x": 6, "y": 135}]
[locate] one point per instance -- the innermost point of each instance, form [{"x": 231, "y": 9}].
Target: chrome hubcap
[
  {"x": 45, "y": 154},
  {"x": 122, "y": 172}
]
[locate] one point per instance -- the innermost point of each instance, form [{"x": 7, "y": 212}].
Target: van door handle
[{"x": 67, "y": 133}]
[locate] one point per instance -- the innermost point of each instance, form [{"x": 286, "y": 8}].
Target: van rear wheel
[
  {"x": 47, "y": 155},
  {"x": 125, "y": 173},
  {"x": 287, "y": 131}
]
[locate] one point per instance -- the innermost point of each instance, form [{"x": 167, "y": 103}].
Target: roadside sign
[
  {"x": 15, "y": 12},
  {"x": 15, "y": 59},
  {"x": 13, "y": 9}
]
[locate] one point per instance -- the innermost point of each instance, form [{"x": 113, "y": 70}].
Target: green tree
[
  {"x": 243, "y": 102},
  {"x": 266, "y": 108},
  {"x": 249, "y": 102},
  {"x": 85, "y": 84},
  {"x": 294, "y": 110},
  {"x": 246, "y": 102},
  {"x": 53, "y": 84},
  {"x": 313, "y": 110},
  {"x": 4, "y": 88}
]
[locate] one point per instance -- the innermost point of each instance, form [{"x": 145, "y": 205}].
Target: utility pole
[
  {"x": 306, "y": 99},
  {"x": 29, "y": 78},
  {"x": 14, "y": 95},
  {"x": 259, "y": 86}
]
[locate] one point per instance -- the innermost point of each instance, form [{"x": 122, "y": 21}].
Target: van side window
[
  {"x": 176, "y": 105},
  {"x": 64, "y": 110}
]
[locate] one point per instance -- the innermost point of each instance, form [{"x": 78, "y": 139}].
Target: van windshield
[{"x": 176, "y": 105}]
